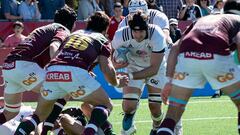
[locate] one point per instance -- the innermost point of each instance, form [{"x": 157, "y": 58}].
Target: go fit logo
[
  {"x": 180, "y": 75},
  {"x": 31, "y": 79},
  {"x": 226, "y": 77}
]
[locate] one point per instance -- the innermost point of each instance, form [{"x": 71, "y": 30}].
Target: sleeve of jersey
[
  {"x": 60, "y": 35},
  {"x": 158, "y": 41},
  {"x": 106, "y": 49},
  {"x": 162, "y": 20},
  {"x": 117, "y": 39}
]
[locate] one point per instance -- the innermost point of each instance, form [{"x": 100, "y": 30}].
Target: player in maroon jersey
[
  {"x": 21, "y": 68},
  {"x": 68, "y": 74}
]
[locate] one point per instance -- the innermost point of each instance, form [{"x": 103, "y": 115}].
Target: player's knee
[
  {"x": 130, "y": 102},
  {"x": 12, "y": 110},
  {"x": 155, "y": 110},
  {"x": 235, "y": 96}
]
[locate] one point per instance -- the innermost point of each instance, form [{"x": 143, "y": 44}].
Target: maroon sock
[
  {"x": 2, "y": 118},
  {"x": 166, "y": 127}
]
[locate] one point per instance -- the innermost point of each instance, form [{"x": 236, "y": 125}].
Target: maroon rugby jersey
[
  {"x": 81, "y": 49},
  {"x": 35, "y": 47},
  {"x": 212, "y": 34}
]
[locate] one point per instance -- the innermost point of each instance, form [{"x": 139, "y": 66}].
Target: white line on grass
[
  {"x": 191, "y": 119},
  {"x": 192, "y": 102}
]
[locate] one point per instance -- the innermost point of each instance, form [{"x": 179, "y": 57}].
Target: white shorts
[
  {"x": 220, "y": 71},
  {"x": 22, "y": 76},
  {"x": 157, "y": 81},
  {"x": 62, "y": 80}
]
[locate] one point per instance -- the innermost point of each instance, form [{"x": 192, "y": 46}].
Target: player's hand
[
  {"x": 166, "y": 92},
  {"x": 118, "y": 65},
  {"x": 123, "y": 80}
]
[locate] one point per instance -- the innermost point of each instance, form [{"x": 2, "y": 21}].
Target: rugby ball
[{"x": 120, "y": 55}]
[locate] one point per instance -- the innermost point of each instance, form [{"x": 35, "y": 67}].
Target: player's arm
[
  {"x": 54, "y": 48},
  {"x": 172, "y": 59},
  {"x": 116, "y": 43},
  {"x": 155, "y": 62},
  {"x": 108, "y": 70},
  {"x": 158, "y": 44},
  {"x": 59, "y": 37}
]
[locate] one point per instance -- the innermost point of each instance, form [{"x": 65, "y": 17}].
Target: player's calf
[
  {"x": 49, "y": 122},
  {"x": 168, "y": 124},
  {"x": 98, "y": 117}
]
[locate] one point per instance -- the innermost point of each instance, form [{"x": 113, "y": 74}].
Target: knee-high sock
[
  {"x": 28, "y": 125},
  {"x": 167, "y": 127},
  {"x": 49, "y": 122},
  {"x": 2, "y": 118},
  {"x": 98, "y": 117}
]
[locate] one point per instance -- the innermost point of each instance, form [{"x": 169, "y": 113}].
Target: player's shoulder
[
  {"x": 123, "y": 34},
  {"x": 154, "y": 12},
  {"x": 154, "y": 29}
]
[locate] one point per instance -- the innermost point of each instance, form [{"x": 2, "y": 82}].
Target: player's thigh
[
  {"x": 221, "y": 72},
  {"x": 188, "y": 73},
  {"x": 98, "y": 97}
]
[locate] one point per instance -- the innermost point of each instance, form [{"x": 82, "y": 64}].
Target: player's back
[
  {"x": 212, "y": 34},
  {"x": 81, "y": 49},
  {"x": 38, "y": 41}
]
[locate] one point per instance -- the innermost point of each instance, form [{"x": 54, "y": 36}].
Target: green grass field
[{"x": 203, "y": 116}]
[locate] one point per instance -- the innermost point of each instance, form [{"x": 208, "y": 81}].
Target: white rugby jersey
[
  {"x": 155, "y": 17},
  {"x": 140, "y": 52}
]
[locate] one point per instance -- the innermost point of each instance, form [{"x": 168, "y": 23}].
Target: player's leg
[
  {"x": 12, "y": 107},
  {"x": 233, "y": 91},
  {"x": 30, "y": 123},
  {"x": 106, "y": 127},
  {"x": 178, "y": 99},
  {"x": 48, "y": 124},
  {"x": 131, "y": 96},
  {"x": 154, "y": 103},
  {"x": 102, "y": 108}
]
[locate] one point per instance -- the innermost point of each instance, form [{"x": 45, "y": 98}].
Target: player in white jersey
[
  {"x": 154, "y": 17},
  {"x": 146, "y": 44}
]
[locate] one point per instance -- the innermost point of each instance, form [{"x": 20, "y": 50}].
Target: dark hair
[
  {"x": 231, "y": 6},
  {"x": 65, "y": 16},
  {"x": 138, "y": 21},
  {"x": 17, "y": 23},
  {"x": 98, "y": 22},
  {"x": 199, "y": 3}
]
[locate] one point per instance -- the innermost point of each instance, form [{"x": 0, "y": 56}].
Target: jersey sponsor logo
[
  {"x": 79, "y": 92},
  {"x": 45, "y": 92},
  {"x": 9, "y": 66},
  {"x": 153, "y": 81},
  {"x": 30, "y": 80},
  {"x": 56, "y": 76},
  {"x": 180, "y": 75},
  {"x": 226, "y": 77},
  {"x": 198, "y": 55}
]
